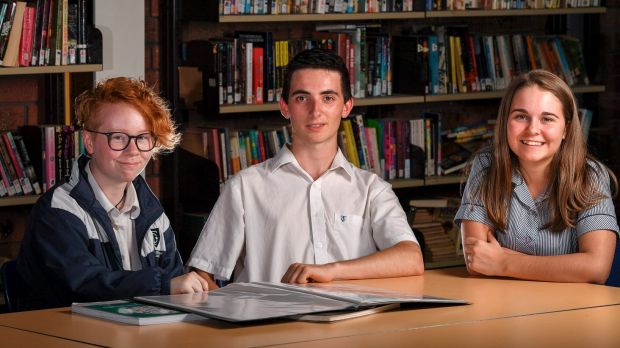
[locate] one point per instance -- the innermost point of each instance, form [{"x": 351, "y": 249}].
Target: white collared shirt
[
  {"x": 122, "y": 222},
  {"x": 274, "y": 214}
]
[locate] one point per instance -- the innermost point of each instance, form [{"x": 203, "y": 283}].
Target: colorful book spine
[
  {"x": 27, "y": 163},
  {"x": 10, "y": 171},
  {"x": 17, "y": 163}
]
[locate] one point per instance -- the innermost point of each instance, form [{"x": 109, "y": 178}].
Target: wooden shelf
[
  {"x": 330, "y": 17},
  {"x": 515, "y": 12},
  {"x": 429, "y": 181},
  {"x": 389, "y": 100},
  {"x": 499, "y": 94},
  {"x": 464, "y": 96},
  {"x": 443, "y": 180},
  {"x": 441, "y": 264},
  {"x": 320, "y": 17},
  {"x": 21, "y": 200},
  {"x": 589, "y": 89},
  {"x": 403, "y": 183},
  {"x": 399, "y": 99},
  {"x": 51, "y": 69}
]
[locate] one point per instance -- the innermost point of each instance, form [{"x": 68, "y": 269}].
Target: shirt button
[{"x": 319, "y": 245}]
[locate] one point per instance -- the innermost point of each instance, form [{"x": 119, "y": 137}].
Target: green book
[{"x": 130, "y": 312}]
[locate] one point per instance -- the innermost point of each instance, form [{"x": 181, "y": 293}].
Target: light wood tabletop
[
  {"x": 10, "y": 337},
  {"x": 490, "y": 299},
  {"x": 591, "y": 327}
]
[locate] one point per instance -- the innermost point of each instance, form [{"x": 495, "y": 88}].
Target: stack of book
[
  {"x": 432, "y": 219},
  {"x": 460, "y": 143}
]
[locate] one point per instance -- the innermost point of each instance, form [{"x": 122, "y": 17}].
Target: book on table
[
  {"x": 131, "y": 312},
  {"x": 246, "y": 302}
]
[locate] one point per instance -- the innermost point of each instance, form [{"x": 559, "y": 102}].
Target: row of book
[
  {"x": 263, "y": 7},
  {"x": 43, "y": 32},
  {"x": 467, "y": 5},
  {"x": 34, "y": 158},
  {"x": 391, "y": 148},
  {"x": 17, "y": 175},
  {"x": 234, "y": 150},
  {"x": 450, "y": 60},
  {"x": 275, "y": 7},
  {"x": 249, "y": 68},
  {"x": 432, "y": 223}
]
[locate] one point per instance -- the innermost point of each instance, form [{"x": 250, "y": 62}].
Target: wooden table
[
  {"x": 491, "y": 299},
  {"x": 590, "y": 327},
  {"x": 10, "y": 337}
]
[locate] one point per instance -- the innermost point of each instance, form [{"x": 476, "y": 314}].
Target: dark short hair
[{"x": 317, "y": 58}]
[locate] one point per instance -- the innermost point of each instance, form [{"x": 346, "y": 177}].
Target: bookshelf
[
  {"x": 31, "y": 70},
  {"x": 43, "y": 95},
  {"x": 187, "y": 20}
]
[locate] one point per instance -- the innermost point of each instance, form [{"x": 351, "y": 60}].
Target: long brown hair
[{"x": 573, "y": 174}]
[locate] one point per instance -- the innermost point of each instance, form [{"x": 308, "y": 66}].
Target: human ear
[
  {"x": 348, "y": 106},
  {"x": 284, "y": 109},
  {"x": 87, "y": 138}
]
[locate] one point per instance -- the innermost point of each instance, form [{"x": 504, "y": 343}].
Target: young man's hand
[
  {"x": 188, "y": 283},
  {"x": 303, "y": 273}
]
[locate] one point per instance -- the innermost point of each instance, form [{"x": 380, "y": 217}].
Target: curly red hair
[{"x": 136, "y": 93}]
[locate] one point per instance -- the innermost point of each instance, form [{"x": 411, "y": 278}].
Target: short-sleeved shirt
[
  {"x": 274, "y": 214},
  {"x": 527, "y": 216}
]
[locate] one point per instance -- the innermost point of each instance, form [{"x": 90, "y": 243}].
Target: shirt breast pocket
[{"x": 348, "y": 224}]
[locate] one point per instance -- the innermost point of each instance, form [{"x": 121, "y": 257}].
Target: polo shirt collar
[
  {"x": 286, "y": 156},
  {"x": 131, "y": 198}
]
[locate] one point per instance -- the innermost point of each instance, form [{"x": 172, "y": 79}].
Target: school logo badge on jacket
[{"x": 154, "y": 240}]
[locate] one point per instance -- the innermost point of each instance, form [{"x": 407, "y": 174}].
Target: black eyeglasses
[{"x": 118, "y": 141}]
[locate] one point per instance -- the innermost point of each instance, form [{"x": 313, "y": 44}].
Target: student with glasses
[{"x": 104, "y": 235}]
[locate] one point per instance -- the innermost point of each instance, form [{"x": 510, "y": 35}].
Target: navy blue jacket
[{"x": 70, "y": 253}]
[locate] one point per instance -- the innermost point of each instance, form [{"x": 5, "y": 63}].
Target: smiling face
[
  {"x": 536, "y": 126},
  {"x": 109, "y": 167},
  {"x": 315, "y": 106}
]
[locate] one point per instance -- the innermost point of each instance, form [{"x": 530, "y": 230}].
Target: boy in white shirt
[{"x": 308, "y": 215}]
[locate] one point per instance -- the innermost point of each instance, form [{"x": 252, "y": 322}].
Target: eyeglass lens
[{"x": 120, "y": 141}]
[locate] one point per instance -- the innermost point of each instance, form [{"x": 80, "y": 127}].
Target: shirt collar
[
  {"x": 131, "y": 202},
  {"x": 286, "y": 156},
  {"x": 523, "y": 193}
]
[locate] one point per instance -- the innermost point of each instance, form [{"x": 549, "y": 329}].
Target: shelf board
[
  {"x": 406, "y": 15},
  {"x": 320, "y": 17},
  {"x": 500, "y": 93},
  {"x": 589, "y": 89},
  {"x": 464, "y": 96},
  {"x": 441, "y": 264},
  {"x": 403, "y": 183},
  {"x": 516, "y": 12},
  {"x": 429, "y": 181},
  {"x": 28, "y": 70},
  {"x": 443, "y": 180},
  {"x": 21, "y": 200},
  {"x": 388, "y": 100},
  {"x": 399, "y": 99}
]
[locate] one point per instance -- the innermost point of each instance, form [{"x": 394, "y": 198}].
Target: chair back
[
  {"x": 13, "y": 285},
  {"x": 614, "y": 274}
]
